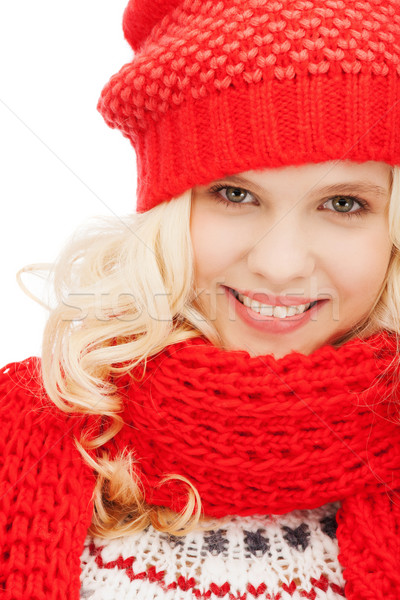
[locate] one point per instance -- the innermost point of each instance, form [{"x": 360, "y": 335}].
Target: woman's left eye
[
  {"x": 342, "y": 203},
  {"x": 233, "y": 195}
]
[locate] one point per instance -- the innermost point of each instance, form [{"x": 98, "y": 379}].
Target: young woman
[{"x": 215, "y": 411}]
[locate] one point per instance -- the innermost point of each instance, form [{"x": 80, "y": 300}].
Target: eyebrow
[{"x": 355, "y": 187}]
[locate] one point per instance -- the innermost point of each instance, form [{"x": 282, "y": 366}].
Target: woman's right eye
[{"x": 232, "y": 195}]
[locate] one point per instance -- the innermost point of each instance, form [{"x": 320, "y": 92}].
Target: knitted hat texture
[{"x": 220, "y": 87}]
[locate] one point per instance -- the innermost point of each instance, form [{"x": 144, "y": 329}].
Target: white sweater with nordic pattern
[{"x": 285, "y": 557}]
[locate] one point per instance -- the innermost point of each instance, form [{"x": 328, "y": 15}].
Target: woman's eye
[
  {"x": 237, "y": 195},
  {"x": 232, "y": 195},
  {"x": 345, "y": 204}
]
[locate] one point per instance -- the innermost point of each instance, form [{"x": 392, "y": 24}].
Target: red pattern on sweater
[{"x": 214, "y": 590}]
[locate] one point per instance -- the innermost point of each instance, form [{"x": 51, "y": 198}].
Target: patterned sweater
[{"x": 292, "y": 556}]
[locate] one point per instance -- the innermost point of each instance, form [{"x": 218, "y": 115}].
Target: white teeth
[
  {"x": 280, "y": 311},
  {"x": 246, "y": 301},
  {"x": 267, "y": 311},
  {"x": 272, "y": 311}
]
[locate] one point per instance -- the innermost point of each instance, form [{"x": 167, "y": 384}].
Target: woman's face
[{"x": 287, "y": 236}]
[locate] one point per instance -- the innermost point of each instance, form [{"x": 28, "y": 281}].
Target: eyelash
[{"x": 214, "y": 191}]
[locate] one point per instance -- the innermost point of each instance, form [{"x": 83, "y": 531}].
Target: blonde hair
[{"x": 125, "y": 290}]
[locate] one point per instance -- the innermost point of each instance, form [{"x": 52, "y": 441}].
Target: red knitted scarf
[{"x": 260, "y": 435}]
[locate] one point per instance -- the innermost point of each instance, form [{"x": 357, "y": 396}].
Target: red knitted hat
[{"x": 218, "y": 87}]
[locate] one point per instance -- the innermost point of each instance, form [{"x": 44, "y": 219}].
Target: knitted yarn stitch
[
  {"x": 220, "y": 87},
  {"x": 46, "y": 491},
  {"x": 260, "y": 435},
  {"x": 268, "y": 557}
]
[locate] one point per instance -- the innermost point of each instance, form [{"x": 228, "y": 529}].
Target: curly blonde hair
[{"x": 125, "y": 290}]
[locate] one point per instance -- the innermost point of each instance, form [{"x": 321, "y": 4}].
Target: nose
[{"x": 281, "y": 251}]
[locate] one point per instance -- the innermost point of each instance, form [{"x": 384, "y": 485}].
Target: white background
[{"x": 60, "y": 163}]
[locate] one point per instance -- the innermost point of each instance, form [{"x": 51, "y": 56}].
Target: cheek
[
  {"x": 362, "y": 266},
  {"x": 215, "y": 245}
]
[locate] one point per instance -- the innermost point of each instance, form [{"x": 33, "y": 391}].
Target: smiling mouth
[{"x": 267, "y": 310}]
